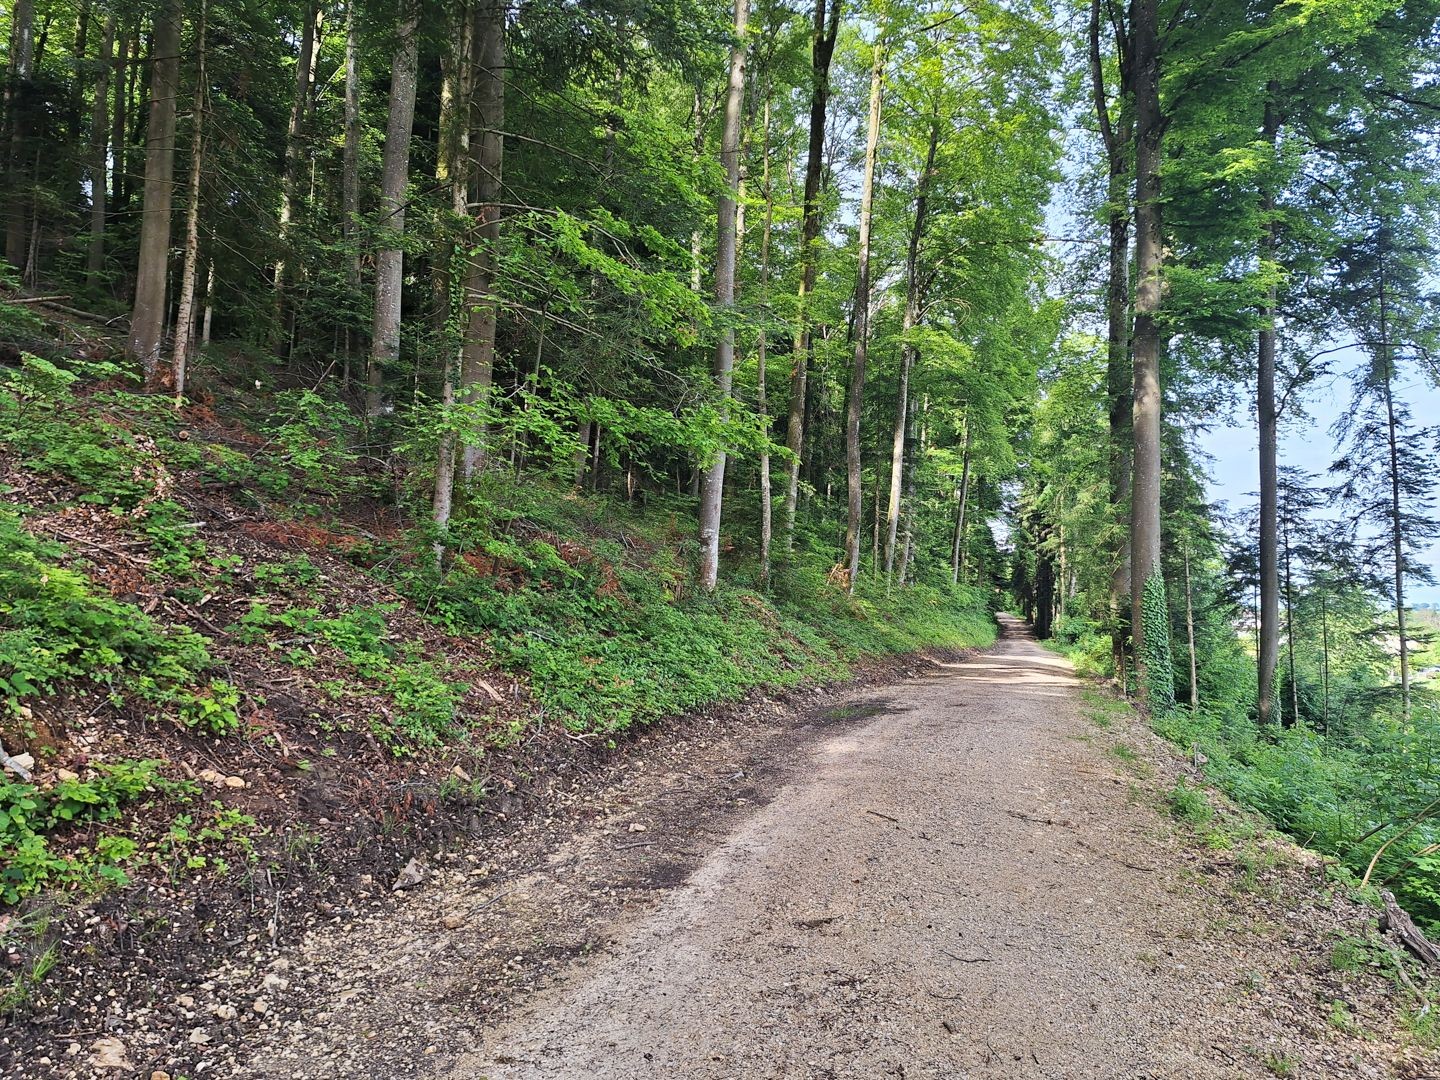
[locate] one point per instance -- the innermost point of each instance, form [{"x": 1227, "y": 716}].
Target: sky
[{"x": 1310, "y": 446}]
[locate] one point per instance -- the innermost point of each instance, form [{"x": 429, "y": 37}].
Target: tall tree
[
  {"x": 394, "y": 179},
  {"x": 477, "y": 350},
  {"x": 712, "y": 483},
  {"x": 147, "y": 321},
  {"x": 855, "y": 401},
  {"x": 825, "y": 30}
]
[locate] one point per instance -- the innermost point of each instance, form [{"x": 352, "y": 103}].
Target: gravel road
[
  {"x": 956, "y": 888},
  {"x": 964, "y": 873}
]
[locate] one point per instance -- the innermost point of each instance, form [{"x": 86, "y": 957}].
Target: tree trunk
[
  {"x": 1190, "y": 633},
  {"x": 395, "y": 175},
  {"x": 185, "y": 319},
  {"x": 1290, "y": 635},
  {"x": 1117, "y": 136},
  {"x": 147, "y": 323},
  {"x": 1324, "y": 660},
  {"x": 1397, "y": 520},
  {"x": 957, "y": 555},
  {"x": 99, "y": 158},
  {"x": 477, "y": 351},
  {"x": 855, "y": 491},
  {"x": 713, "y": 482},
  {"x": 350, "y": 174},
  {"x": 908, "y": 353},
  {"x": 762, "y": 404},
  {"x": 209, "y": 304},
  {"x": 294, "y": 152},
  {"x": 822, "y": 49},
  {"x": 17, "y": 88},
  {"x": 1268, "y": 422},
  {"x": 452, "y": 171},
  {"x": 119, "y": 141},
  {"x": 1149, "y": 260}
]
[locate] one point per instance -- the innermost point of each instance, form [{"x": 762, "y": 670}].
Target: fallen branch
[
  {"x": 887, "y": 817},
  {"x": 1396, "y": 921}
]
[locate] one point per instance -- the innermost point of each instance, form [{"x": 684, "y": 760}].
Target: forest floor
[{"x": 985, "y": 870}]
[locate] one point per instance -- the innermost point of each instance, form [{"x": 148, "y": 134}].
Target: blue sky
[{"x": 1309, "y": 445}]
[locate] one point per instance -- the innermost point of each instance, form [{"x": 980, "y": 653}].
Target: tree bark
[
  {"x": 294, "y": 134},
  {"x": 477, "y": 351},
  {"x": 1267, "y": 419},
  {"x": 185, "y": 318},
  {"x": 908, "y": 352},
  {"x": 22, "y": 59},
  {"x": 822, "y": 48},
  {"x": 957, "y": 554},
  {"x": 125, "y": 45},
  {"x": 394, "y": 177},
  {"x": 1397, "y": 520},
  {"x": 762, "y": 404},
  {"x": 350, "y": 173},
  {"x": 726, "y": 233},
  {"x": 99, "y": 158},
  {"x": 147, "y": 322},
  {"x": 1190, "y": 633},
  {"x": 452, "y": 172},
  {"x": 1117, "y": 135},
  {"x": 1149, "y": 262},
  {"x": 855, "y": 491}
]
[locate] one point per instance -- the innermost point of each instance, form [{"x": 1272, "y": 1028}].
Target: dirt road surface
[{"x": 957, "y": 881}]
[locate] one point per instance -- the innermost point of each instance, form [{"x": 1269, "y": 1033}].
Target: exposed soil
[{"x": 954, "y": 875}]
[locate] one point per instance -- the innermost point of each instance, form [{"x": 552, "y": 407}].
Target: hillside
[{"x": 244, "y": 693}]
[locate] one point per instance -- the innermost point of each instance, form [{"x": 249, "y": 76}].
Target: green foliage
[
  {"x": 55, "y": 629},
  {"x": 31, "y": 815},
  {"x": 427, "y": 703},
  {"x": 1189, "y": 804},
  {"x": 1159, "y": 670}
]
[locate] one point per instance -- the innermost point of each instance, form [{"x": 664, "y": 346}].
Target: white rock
[
  {"x": 224, "y": 1012},
  {"x": 199, "y": 1037},
  {"x": 234, "y": 782},
  {"x": 109, "y": 1053}
]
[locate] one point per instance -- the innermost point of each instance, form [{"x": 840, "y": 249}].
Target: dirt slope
[{"x": 952, "y": 879}]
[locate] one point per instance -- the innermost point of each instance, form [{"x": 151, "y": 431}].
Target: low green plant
[
  {"x": 56, "y": 630},
  {"x": 30, "y": 816},
  {"x": 1189, "y": 804}
]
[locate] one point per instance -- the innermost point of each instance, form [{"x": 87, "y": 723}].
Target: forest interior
[{"x": 475, "y": 474}]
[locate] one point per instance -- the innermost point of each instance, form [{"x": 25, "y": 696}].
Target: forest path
[
  {"x": 957, "y": 888},
  {"x": 956, "y": 881}
]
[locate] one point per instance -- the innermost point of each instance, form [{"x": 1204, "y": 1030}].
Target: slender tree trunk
[
  {"x": 99, "y": 157},
  {"x": 394, "y": 177},
  {"x": 908, "y": 352},
  {"x": 1117, "y": 135},
  {"x": 855, "y": 491},
  {"x": 1190, "y": 633},
  {"x": 147, "y": 322},
  {"x": 713, "y": 482},
  {"x": 915, "y": 439},
  {"x": 350, "y": 177},
  {"x": 294, "y": 151},
  {"x": 1324, "y": 659},
  {"x": 1149, "y": 260},
  {"x": 119, "y": 123},
  {"x": 762, "y": 404},
  {"x": 1268, "y": 421},
  {"x": 957, "y": 556},
  {"x": 1290, "y": 636},
  {"x": 185, "y": 319},
  {"x": 822, "y": 49},
  {"x": 452, "y": 171},
  {"x": 209, "y": 304},
  {"x": 1397, "y": 519},
  {"x": 17, "y": 89},
  {"x": 477, "y": 351}
]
